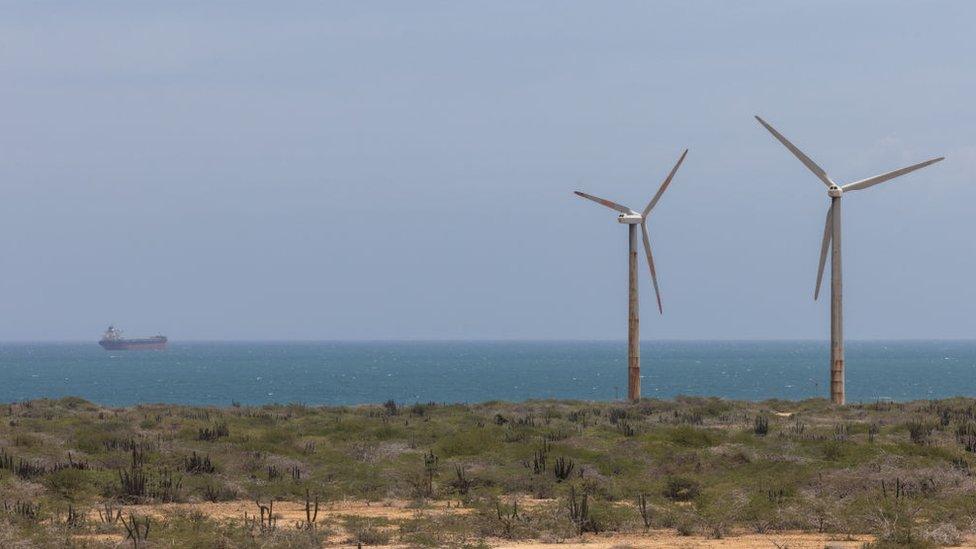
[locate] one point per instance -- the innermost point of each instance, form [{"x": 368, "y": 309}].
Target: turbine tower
[
  {"x": 631, "y": 219},
  {"x": 831, "y": 239}
]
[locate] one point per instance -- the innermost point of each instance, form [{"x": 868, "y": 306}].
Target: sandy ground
[
  {"x": 288, "y": 512},
  {"x": 291, "y": 512},
  {"x": 665, "y": 539},
  {"x": 652, "y": 540}
]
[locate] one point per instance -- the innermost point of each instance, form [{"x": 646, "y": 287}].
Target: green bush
[
  {"x": 471, "y": 442},
  {"x": 71, "y": 484},
  {"x": 681, "y": 489},
  {"x": 689, "y": 436}
]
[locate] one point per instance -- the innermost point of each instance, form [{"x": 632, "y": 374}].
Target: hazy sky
[{"x": 374, "y": 170}]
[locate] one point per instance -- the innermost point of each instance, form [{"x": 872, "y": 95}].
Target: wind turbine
[
  {"x": 631, "y": 219},
  {"x": 831, "y": 239}
]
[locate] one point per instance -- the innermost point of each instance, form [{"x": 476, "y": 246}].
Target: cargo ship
[{"x": 113, "y": 341}]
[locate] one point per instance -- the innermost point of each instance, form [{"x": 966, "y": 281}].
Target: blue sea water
[{"x": 360, "y": 372}]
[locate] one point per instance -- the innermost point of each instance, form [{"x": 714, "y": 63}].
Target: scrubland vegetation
[{"x": 73, "y": 473}]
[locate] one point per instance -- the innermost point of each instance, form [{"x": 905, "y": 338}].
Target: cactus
[
  {"x": 273, "y": 472},
  {"x": 563, "y": 468},
  {"x": 196, "y": 464},
  {"x": 311, "y": 513},
  {"x": 269, "y": 521},
  {"x": 540, "y": 457},
  {"x": 462, "y": 482},
  {"x": 109, "y": 513},
  {"x": 579, "y": 512},
  {"x": 138, "y": 457},
  {"x": 74, "y": 519},
  {"x": 430, "y": 469},
  {"x": 24, "y": 509},
  {"x": 132, "y": 484},
  {"x": 760, "y": 425},
  {"x": 136, "y": 529},
  {"x": 212, "y": 435},
  {"x": 167, "y": 488},
  {"x": 645, "y": 511},
  {"x": 27, "y": 470}
]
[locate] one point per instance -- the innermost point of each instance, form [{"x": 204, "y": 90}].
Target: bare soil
[{"x": 289, "y": 513}]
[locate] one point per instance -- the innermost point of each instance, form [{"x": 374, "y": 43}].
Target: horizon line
[{"x": 498, "y": 340}]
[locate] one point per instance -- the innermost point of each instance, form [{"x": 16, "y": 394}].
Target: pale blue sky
[{"x": 361, "y": 170}]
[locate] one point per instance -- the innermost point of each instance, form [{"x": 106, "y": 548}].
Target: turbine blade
[
  {"x": 664, "y": 185},
  {"x": 810, "y": 164},
  {"x": 828, "y": 234},
  {"x": 605, "y": 202},
  {"x": 650, "y": 264},
  {"x": 871, "y": 181}
]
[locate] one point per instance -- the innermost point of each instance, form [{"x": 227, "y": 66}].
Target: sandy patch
[
  {"x": 289, "y": 512},
  {"x": 99, "y": 538},
  {"x": 668, "y": 539}
]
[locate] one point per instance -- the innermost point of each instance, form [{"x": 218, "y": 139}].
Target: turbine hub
[
  {"x": 630, "y": 219},
  {"x": 834, "y": 191}
]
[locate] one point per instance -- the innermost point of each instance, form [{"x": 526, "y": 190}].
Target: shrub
[
  {"x": 944, "y": 535},
  {"x": 218, "y": 492},
  {"x": 833, "y": 450},
  {"x": 467, "y": 442},
  {"x": 606, "y": 517},
  {"x": 687, "y": 435},
  {"x": 421, "y": 410},
  {"x": 686, "y": 525},
  {"x": 681, "y": 489},
  {"x": 366, "y": 532},
  {"x": 68, "y": 483},
  {"x": 462, "y": 482},
  {"x": 919, "y": 431},
  {"x": 894, "y": 524}
]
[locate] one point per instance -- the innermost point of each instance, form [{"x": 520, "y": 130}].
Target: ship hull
[{"x": 152, "y": 343}]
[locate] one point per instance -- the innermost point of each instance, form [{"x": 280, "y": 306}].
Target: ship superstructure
[{"x": 112, "y": 340}]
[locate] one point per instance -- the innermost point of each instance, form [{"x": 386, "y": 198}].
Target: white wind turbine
[
  {"x": 831, "y": 239},
  {"x": 631, "y": 219}
]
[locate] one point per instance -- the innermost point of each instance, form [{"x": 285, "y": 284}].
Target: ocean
[{"x": 475, "y": 371}]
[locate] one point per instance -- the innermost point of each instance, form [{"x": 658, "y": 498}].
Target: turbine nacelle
[
  {"x": 630, "y": 217},
  {"x": 835, "y": 191}
]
